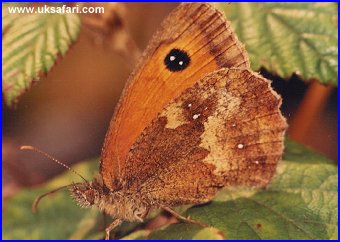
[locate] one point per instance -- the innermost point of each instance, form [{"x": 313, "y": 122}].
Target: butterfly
[{"x": 193, "y": 118}]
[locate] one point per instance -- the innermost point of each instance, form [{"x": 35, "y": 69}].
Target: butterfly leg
[
  {"x": 113, "y": 225},
  {"x": 185, "y": 219}
]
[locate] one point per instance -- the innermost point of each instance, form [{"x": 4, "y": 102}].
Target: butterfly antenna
[
  {"x": 28, "y": 147},
  {"x": 37, "y": 199}
]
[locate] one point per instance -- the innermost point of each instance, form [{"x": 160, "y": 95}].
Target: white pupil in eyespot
[{"x": 172, "y": 58}]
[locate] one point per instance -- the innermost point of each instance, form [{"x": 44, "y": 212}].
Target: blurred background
[{"x": 67, "y": 113}]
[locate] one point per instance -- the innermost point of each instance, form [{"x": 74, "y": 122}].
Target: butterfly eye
[{"x": 176, "y": 60}]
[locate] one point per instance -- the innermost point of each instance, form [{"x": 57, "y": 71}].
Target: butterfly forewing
[
  {"x": 193, "y": 40},
  {"x": 226, "y": 129}
]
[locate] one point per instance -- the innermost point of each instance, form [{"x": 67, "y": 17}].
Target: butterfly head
[{"x": 85, "y": 194}]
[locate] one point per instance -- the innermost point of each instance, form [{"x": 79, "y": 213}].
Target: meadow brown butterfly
[{"x": 192, "y": 118}]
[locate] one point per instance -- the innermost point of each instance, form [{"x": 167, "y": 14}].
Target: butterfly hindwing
[
  {"x": 226, "y": 129},
  {"x": 201, "y": 37}
]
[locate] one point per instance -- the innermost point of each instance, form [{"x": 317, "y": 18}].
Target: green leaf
[
  {"x": 187, "y": 232},
  {"x": 138, "y": 235},
  {"x": 31, "y": 45},
  {"x": 300, "y": 203},
  {"x": 289, "y": 37}
]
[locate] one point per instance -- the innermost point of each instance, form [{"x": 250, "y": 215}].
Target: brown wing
[
  {"x": 225, "y": 130},
  {"x": 203, "y": 33}
]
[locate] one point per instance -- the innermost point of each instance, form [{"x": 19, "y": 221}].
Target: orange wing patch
[{"x": 203, "y": 34}]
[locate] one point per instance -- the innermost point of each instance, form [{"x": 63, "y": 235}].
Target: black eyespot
[{"x": 176, "y": 60}]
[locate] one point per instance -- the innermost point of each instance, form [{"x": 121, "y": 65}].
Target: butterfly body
[
  {"x": 192, "y": 119},
  {"x": 124, "y": 205}
]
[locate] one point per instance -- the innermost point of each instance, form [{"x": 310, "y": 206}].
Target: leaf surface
[
  {"x": 289, "y": 37},
  {"x": 31, "y": 45}
]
